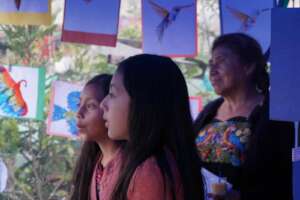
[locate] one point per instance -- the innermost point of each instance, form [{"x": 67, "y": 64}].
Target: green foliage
[
  {"x": 9, "y": 136},
  {"x": 40, "y": 166}
]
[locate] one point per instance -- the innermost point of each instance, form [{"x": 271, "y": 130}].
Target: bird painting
[
  {"x": 18, "y": 4},
  {"x": 12, "y": 102},
  {"x": 168, "y": 16},
  {"x": 247, "y": 21}
]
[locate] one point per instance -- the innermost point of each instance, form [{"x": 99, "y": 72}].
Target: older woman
[{"x": 235, "y": 137}]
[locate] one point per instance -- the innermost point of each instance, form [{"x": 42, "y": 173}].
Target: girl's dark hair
[
  {"x": 159, "y": 119},
  {"x": 90, "y": 150},
  {"x": 249, "y": 51}
]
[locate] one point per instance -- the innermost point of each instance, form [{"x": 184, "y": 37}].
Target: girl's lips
[{"x": 79, "y": 126}]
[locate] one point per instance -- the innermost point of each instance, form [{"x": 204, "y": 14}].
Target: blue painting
[
  {"x": 249, "y": 17},
  {"x": 169, "y": 27},
  {"x": 63, "y": 108},
  {"x": 28, "y": 6},
  {"x": 68, "y": 114},
  {"x": 285, "y": 65},
  {"x": 92, "y": 16}
]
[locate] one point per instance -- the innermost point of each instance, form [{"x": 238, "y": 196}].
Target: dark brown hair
[{"x": 159, "y": 119}]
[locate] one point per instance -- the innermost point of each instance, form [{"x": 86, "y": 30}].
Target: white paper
[
  {"x": 3, "y": 176},
  {"x": 210, "y": 178}
]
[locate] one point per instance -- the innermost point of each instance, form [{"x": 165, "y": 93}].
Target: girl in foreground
[{"x": 148, "y": 107}]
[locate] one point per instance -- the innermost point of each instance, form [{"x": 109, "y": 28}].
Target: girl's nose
[{"x": 103, "y": 104}]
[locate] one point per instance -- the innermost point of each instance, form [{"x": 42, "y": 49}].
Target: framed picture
[
  {"x": 63, "y": 108},
  {"x": 22, "y": 92},
  {"x": 25, "y": 12},
  {"x": 91, "y": 22},
  {"x": 285, "y": 62},
  {"x": 249, "y": 17},
  {"x": 170, "y": 27},
  {"x": 196, "y": 106}
]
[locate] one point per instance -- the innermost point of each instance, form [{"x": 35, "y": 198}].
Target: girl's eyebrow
[
  {"x": 219, "y": 57},
  {"x": 88, "y": 99}
]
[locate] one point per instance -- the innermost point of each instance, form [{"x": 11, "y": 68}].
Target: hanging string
[{"x": 293, "y": 3}]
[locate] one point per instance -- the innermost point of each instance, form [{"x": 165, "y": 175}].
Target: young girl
[
  {"x": 148, "y": 107},
  {"x": 99, "y": 153}
]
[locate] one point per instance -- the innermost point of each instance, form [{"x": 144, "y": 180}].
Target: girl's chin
[{"x": 82, "y": 136}]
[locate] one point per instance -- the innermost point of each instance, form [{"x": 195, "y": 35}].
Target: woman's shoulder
[
  {"x": 148, "y": 167},
  {"x": 148, "y": 181},
  {"x": 208, "y": 113}
]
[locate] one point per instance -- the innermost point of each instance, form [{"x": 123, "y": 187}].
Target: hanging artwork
[
  {"x": 250, "y": 17},
  {"x": 285, "y": 62},
  {"x": 170, "y": 27},
  {"x": 22, "y": 92},
  {"x": 63, "y": 108},
  {"x": 196, "y": 106},
  {"x": 91, "y": 22},
  {"x": 285, "y": 79},
  {"x": 3, "y": 176},
  {"x": 25, "y": 12}
]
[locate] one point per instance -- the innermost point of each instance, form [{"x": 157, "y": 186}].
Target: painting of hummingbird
[
  {"x": 18, "y": 4},
  {"x": 168, "y": 16},
  {"x": 247, "y": 21}
]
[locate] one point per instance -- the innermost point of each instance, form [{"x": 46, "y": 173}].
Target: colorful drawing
[
  {"x": 11, "y": 99},
  {"x": 68, "y": 114},
  {"x": 64, "y": 105},
  {"x": 25, "y": 12},
  {"x": 250, "y": 17},
  {"x": 169, "y": 27},
  {"x": 22, "y": 92},
  {"x": 91, "y": 22}
]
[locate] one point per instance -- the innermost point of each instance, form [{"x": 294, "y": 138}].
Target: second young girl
[{"x": 92, "y": 176}]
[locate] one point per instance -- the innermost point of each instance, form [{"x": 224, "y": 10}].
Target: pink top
[
  {"x": 146, "y": 183},
  {"x": 109, "y": 177}
]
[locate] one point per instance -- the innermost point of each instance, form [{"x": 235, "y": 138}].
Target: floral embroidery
[{"x": 224, "y": 142}]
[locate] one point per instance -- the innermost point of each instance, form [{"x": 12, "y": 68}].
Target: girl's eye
[
  {"x": 110, "y": 94},
  {"x": 91, "y": 106},
  {"x": 221, "y": 60}
]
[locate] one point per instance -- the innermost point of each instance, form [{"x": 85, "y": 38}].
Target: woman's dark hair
[
  {"x": 249, "y": 51},
  {"x": 90, "y": 150},
  {"x": 159, "y": 119}
]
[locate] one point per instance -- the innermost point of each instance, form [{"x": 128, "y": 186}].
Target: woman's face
[
  {"x": 226, "y": 71},
  {"x": 90, "y": 121},
  {"x": 116, "y": 109}
]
